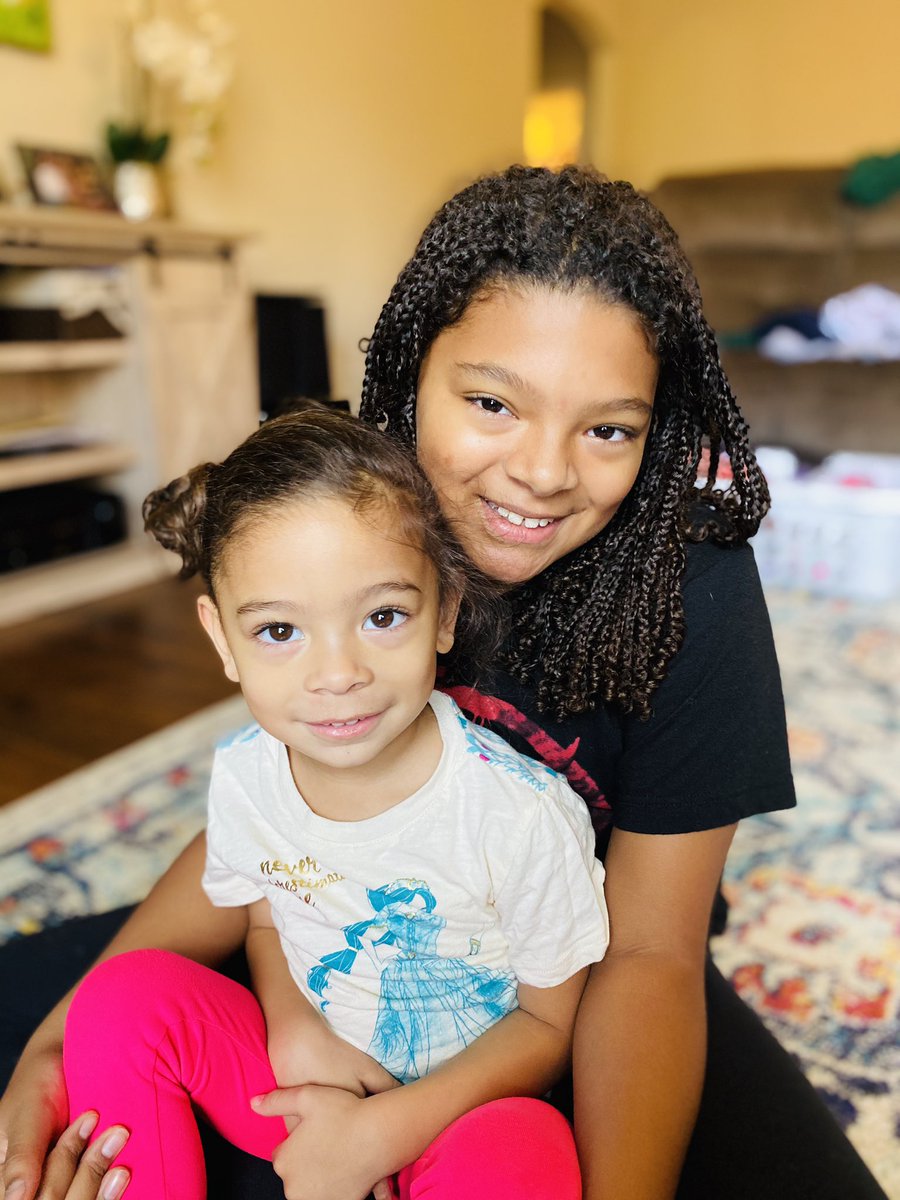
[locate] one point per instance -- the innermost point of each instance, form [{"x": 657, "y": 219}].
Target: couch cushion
[
  {"x": 789, "y": 209},
  {"x": 741, "y": 286}
]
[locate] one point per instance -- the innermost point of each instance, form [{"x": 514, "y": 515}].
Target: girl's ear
[
  {"x": 447, "y": 622},
  {"x": 212, "y": 623}
]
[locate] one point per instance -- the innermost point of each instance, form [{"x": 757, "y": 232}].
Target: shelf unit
[
  {"x": 82, "y": 462},
  {"x": 21, "y": 357},
  {"x": 180, "y": 388}
]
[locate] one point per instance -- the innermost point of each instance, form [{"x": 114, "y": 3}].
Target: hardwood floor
[{"x": 77, "y": 685}]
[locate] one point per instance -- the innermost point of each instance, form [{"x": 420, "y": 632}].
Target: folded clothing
[{"x": 861, "y": 325}]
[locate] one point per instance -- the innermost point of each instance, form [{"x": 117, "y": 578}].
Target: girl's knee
[
  {"x": 512, "y": 1147},
  {"x": 520, "y": 1118},
  {"x": 128, "y": 984}
]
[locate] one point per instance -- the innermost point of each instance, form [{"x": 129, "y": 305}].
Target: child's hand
[
  {"x": 314, "y": 1162},
  {"x": 314, "y": 1054}
]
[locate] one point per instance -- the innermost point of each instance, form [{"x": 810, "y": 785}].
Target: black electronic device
[
  {"x": 292, "y": 354},
  {"x": 39, "y": 524}
]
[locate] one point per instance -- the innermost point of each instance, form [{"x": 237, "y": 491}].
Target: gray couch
[{"x": 763, "y": 241}]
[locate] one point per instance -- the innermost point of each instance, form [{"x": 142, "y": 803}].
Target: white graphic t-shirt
[{"x": 410, "y": 929}]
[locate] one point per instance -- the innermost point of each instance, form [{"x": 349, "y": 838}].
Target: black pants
[{"x": 762, "y": 1134}]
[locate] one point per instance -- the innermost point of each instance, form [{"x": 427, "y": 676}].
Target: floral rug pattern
[
  {"x": 123, "y": 820},
  {"x": 813, "y": 941},
  {"x": 813, "y": 938}
]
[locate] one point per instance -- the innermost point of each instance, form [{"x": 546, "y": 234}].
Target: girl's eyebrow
[
  {"x": 262, "y": 606},
  {"x": 497, "y": 372},
  {"x": 393, "y": 585},
  {"x": 289, "y": 606},
  {"x": 629, "y": 403}
]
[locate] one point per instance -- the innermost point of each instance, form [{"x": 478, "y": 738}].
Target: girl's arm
[
  {"x": 175, "y": 916},
  {"x": 521, "y": 1055},
  {"x": 302, "y": 1047},
  {"x": 291, "y": 1021},
  {"x": 640, "y": 1035}
]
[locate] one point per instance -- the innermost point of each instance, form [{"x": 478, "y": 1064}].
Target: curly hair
[
  {"x": 318, "y": 454},
  {"x": 602, "y": 624}
]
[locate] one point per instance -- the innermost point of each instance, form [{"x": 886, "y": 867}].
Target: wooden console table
[{"x": 177, "y": 389}]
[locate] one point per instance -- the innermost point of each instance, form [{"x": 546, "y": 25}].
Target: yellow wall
[
  {"x": 349, "y": 124},
  {"x": 350, "y": 121},
  {"x": 715, "y": 84},
  {"x": 60, "y": 98}
]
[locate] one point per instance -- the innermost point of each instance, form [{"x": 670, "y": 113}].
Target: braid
[
  {"x": 748, "y": 501},
  {"x": 603, "y": 623}
]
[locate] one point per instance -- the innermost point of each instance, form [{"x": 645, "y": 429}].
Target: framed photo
[
  {"x": 25, "y": 23},
  {"x": 64, "y": 179}
]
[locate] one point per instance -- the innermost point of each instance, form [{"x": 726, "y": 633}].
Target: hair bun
[{"x": 174, "y": 516}]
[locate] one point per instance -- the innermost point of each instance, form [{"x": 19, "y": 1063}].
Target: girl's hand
[
  {"x": 338, "y": 1150},
  {"x": 315, "y": 1054}
]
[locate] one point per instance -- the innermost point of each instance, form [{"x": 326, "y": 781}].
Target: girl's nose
[
  {"x": 337, "y": 668},
  {"x": 542, "y": 462}
]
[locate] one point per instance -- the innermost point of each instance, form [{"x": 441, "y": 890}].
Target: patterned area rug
[
  {"x": 814, "y": 937},
  {"x": 101, "y": 836},
  {"x": 813, "y": 940}
]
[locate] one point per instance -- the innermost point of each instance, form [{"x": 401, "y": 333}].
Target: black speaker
[
  {"x": 293, "y": 360},
  {"x": 38, "y": 524}
]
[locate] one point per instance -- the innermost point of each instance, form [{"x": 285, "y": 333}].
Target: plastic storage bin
[{"x": 836, "y": 530}]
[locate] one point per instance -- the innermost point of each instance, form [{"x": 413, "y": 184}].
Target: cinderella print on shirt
[{"x": 429, "y": 1007}]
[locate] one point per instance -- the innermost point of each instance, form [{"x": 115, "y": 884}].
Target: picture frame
[
  {"x": 26, "y": 24},
  {"x": 66, "y": 179}
]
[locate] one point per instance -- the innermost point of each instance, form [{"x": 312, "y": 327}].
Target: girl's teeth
[
  {"x": 341, "y": 724},
  {"x": 517, "y": 519}
]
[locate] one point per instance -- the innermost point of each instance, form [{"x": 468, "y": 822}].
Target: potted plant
[
  {"x": 137, "y": 180},
  {"x": 177, "y": 75}
]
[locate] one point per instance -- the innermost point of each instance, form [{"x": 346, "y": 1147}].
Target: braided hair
[{"x": 602, "y": 623}]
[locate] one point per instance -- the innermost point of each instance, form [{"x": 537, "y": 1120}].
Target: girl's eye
[
  {"x": 610, "y": 433},
  {"x": 385, "y": 618},
  {"x": 279, "y": 633},
  {"x": 489, "y": 404}
]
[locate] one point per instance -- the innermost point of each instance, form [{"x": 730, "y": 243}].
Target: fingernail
[
  {"x": 114, "y": 1184},
  {"x": 113, "y": 1143},
  {"x": 88, "y": 1125},
  {"x": 256, "y": 1100},
  {"x": 16, "y": 1188}
]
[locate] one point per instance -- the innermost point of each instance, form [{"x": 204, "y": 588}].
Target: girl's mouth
[
  {"x": 517, "y": 518},
  {"x": 344, "y": 730},
  {"x": 511, "y": 526}
]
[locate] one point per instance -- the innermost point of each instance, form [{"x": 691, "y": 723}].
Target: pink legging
[{"x": 151, "y": 1034}]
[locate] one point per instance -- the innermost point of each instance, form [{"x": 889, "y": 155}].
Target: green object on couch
[{"x": 873, "y": 179}]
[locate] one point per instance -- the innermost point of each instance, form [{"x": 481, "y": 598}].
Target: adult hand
[
  {"x": 36, "y": 1148},
  {"x": 72, "y": 1170},
  {"x": 33, "y": 1113},
  {"x": 338, "y": 1150}
]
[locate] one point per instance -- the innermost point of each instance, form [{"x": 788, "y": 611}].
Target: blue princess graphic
[{"x": 430, "y": 1007}]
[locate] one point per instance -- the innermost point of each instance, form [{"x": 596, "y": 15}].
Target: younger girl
[{"x": 423, "y": 902}]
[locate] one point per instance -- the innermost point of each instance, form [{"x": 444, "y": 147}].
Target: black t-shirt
[{"x": 715, "y": 747}]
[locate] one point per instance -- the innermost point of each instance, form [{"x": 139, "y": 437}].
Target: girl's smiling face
[
  {"x": 331, "y": 625},
  {"x": 532, "y": 416}
]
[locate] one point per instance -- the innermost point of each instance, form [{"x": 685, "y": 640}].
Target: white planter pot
[{"x": 138, "y": 190}]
